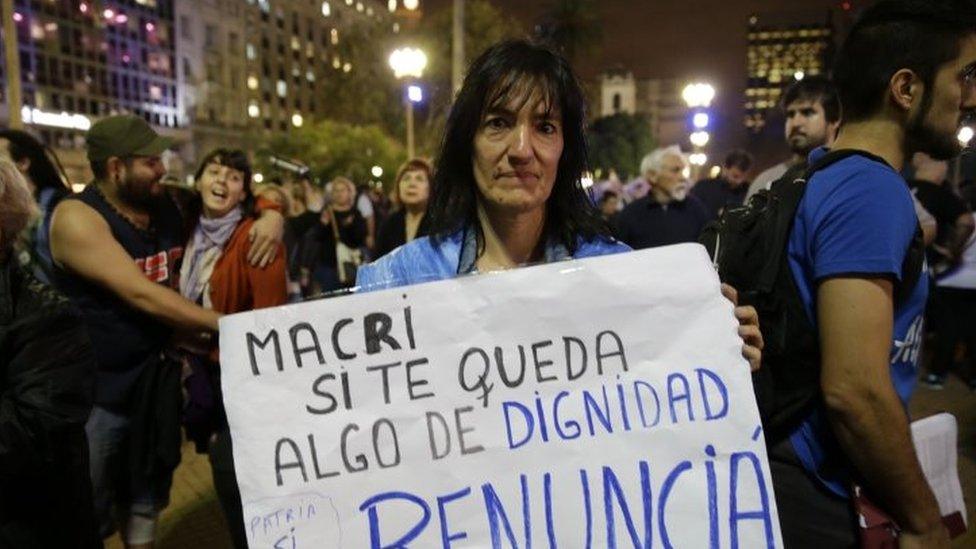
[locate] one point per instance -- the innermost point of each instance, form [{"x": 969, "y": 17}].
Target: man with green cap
[{"x": 117, "y": 246}]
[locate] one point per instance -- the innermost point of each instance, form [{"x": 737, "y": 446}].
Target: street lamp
[
  {"x": 698, "y": 96},
  {"x": 699, "y": 139},
  {"x": 409, "y": 63},
  {"x": 700, "y": 120},
  {"x": 965, "y": 135}
]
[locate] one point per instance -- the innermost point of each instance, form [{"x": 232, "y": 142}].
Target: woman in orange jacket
[{"x": 217, "y": 275}]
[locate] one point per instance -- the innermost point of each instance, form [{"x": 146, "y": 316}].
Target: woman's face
[
  {"x": 221, "y": 188},
  {"x": 414, "y": 188},
  {"x": 516, "y": 154},
  {"x": 342, "y": 196}
]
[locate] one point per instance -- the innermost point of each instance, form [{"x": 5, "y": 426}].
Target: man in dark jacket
[
  {"x": 728, "y": 190},
  {"x": 46, "y": 371},
  {"x": 668, "y": 214}
]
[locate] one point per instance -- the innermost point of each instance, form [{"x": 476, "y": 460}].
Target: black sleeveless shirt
[{"x": 124, "y": 338}]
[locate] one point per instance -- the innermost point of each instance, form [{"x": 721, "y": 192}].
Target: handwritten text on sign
[{"x": 593, "y": 403}]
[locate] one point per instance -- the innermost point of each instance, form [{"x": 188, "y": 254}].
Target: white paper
[
  {"x": 660, "y": 475},
  {"x": 935, "y": 443}
]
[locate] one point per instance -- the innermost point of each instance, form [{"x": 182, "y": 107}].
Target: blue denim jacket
[{"x": 424, "y": 261}]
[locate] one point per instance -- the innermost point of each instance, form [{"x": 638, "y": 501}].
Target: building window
[
  {"x": 209, "y": 36},
  {"x": 616, "y": 102}
]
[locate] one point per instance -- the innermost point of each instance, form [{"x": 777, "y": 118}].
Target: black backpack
[{"x": 748, "y": 246}]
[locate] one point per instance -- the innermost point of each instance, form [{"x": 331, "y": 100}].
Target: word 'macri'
[{"x": 304, "y": 343}]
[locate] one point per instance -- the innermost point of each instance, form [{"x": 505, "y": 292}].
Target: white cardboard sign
[{"x": 592, "y": 403}]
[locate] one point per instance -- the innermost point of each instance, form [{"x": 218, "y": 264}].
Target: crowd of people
[{"x": 110, "y": 298}]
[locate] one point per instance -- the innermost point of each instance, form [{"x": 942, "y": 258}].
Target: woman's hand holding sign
[{"x": 752, "y": 340}]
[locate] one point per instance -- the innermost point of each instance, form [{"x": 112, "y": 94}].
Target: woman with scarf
[{"x": 217, "y": 275}]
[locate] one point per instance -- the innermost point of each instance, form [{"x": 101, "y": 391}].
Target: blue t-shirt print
[{"x": 856, "y": 217}]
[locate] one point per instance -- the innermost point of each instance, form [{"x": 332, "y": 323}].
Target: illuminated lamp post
[
  {"x": 698, "y": 96},
  {"x": 409, "y": 63}
]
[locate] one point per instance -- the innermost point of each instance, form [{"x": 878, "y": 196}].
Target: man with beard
[
  {"x": 812, "y": 117},
  {"x": 667, "y": 214},
  {"x": 116, "y": 248},
  {"x": 905, "y": 76}
]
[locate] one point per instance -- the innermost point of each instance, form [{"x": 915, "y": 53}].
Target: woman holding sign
[
  {"x": 217, "y": 275},
  {"x": 507, "y": 188}
]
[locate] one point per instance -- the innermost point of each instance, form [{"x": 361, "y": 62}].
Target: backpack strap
[
  {"x": 914, "y": 260},
  {"x": 790, "y": 192}
]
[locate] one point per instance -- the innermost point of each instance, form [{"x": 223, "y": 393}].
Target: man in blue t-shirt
[{"x": 905, "y": 76}]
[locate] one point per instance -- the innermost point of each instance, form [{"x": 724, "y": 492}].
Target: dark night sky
[{"x": 685, "y": 39}]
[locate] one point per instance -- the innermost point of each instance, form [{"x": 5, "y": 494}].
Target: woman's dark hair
[
  {"x": 920, "y": 35},
  {"x": 234, "y": 159},
  {"x": 44, "y": 170},
  {"x": 515, "y": 69}
]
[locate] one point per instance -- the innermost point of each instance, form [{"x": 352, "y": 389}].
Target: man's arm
[
  {"x": 268, "y": 230},
  {"x": 855, "y": 322},
  {"x": 82, "y": 243}
]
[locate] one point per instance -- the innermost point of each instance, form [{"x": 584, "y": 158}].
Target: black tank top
[{"x": 124, "y": 338}]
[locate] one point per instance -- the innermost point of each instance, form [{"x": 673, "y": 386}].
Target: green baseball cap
[{"x": 122, "y": 136}]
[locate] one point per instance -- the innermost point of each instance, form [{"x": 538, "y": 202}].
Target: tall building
[
  {"x": 87, "y": 59},
  {"x": 657, "y": 98},
  {"x": 206, "y": 72},
  {"x": 780, "y": 51},
  {"x": 252, "y": 68},
  {"x": 210, "y": 69}
]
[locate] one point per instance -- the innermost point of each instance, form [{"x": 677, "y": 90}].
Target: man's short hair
[
  {"x": 919, "y": 35},
  {"x": 816, "y": 89},
  {"x": 738, "y": 158}
]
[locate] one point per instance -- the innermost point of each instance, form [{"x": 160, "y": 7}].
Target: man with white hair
[{"x": 667, "y": 215}]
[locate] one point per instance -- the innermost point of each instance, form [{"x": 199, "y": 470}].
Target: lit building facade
[
  {"x": 83, "y": 60},
  {"x": 251, "y": 68},
  {"x": 777, "y": 55},
  {"x": 208, "y": 73}
]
